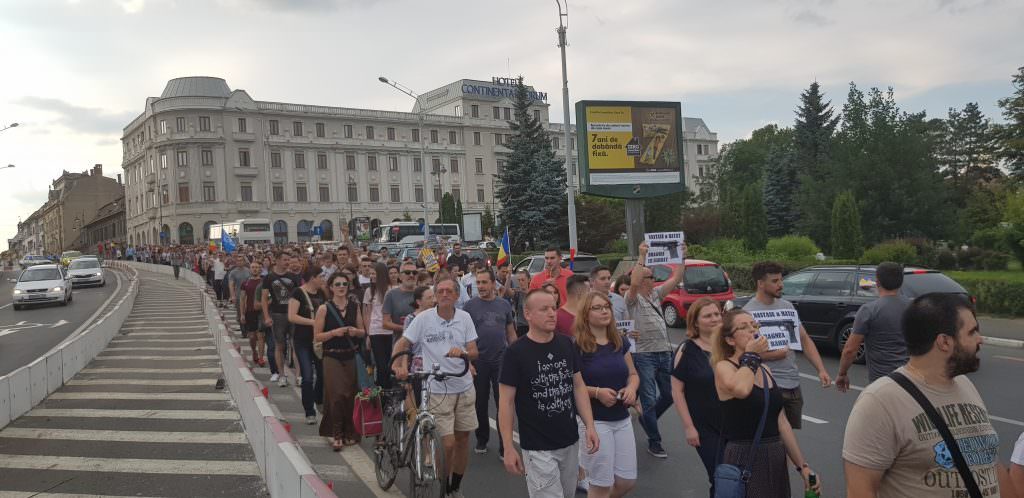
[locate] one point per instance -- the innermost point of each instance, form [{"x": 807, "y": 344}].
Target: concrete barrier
[{"x": 5, "y": 401}]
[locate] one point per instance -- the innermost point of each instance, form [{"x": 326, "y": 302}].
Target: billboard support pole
[
  {"x": 634, "y": 225},
  {"x": 570, "y": 184}
]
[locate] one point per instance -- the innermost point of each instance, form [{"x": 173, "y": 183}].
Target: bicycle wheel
[
  {"x": 426, "y": 479},
  {"x": 385, "y": 452}
]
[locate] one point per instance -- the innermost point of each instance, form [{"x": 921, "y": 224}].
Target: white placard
[
  {"x": 626, "y": 326},
  {"x": 664, "y": 248},
  {"x": 781, "y": 327}
]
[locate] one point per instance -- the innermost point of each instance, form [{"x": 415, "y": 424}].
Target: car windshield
[
  {"x": 39, "y": 275},
  {"x": 705, "y": 280},
  {"x": 916, "y": 284},
  {"x": 80, "y": 264},
  {"x": 584, "y": 265}
]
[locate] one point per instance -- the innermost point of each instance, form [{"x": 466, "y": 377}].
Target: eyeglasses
[
  {"x": 410, "y": 272},
  {"x": 339, "y": 284},
  {"x": 601, "y": 307}
]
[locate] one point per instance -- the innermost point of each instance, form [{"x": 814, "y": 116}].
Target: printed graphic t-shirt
[
  {"x": 542, "y": 374},
  {"x": 889, "y": 431},
  {"x": 779, "y": 319},
  {"x": 280, "y": 288}
]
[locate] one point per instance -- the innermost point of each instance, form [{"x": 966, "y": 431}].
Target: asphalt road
[{"x": 29, "y": 333}]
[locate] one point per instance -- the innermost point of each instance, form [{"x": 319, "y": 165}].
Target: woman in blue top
[{"x": 612, "y": 382}]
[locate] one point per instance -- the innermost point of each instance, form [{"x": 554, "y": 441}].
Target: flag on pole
[
  {"x": 226, "y": 243},
  {"x": 504, "y": 250},
  {"x": 213, "y": 245}
]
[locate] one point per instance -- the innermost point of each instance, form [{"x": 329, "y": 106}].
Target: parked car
[
  {"x": 86, "y": 270},
  {"x": 34, "y": 259},
  {"x": 828, "y": 297},
  {"x": 489, "y": 245},
  {"x": 700, "y": 279},
  {"x": 42, "y": 284},
  {"x": 535, "y": 264}
]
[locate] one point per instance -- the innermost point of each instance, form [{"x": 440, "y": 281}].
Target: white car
[
  {"x": 42, "y": 284},
  {"x": 86, "y": 271},
  {"x": 32, "y": 260}
]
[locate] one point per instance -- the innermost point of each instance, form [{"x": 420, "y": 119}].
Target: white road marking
[
  {"x": 158, "y": 341},
  {"x": 30, "y": 494},
  {"x": 186, "y": 348},
  {"x": 163, "y": 334},
  {"x": 129, "y": 465},
  {"x": 494, "y": 425},
  {"x": 140, "y": 396},
  {"x": 145, "y": 414},
  {"x": 149, "y": 370},
  {"x": 127, "y": 436},
  {"x": 814, "y": 420},
  {"x": 1001, "y": 357},
  {"x": 332, "y": 473},
  {"x": 165, "y": 327},
  {"x": 141, "y": 382},
  {"x": 158, "y": 358}
]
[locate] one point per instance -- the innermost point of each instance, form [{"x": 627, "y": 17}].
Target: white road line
[
  {"x": 186, "y": 348},
  {"x": 149, "y": 370},
  {"x": 30, "y": 494},
  {"x": 1001, "y": 357},
  {"x": 166, "y": 327},
  {"x": 158, "y": 358},
  {"x": 2, "y": 307},
  {"x": 816, "y": 379},
  {"x": 140, "y": 396},
  {"x": 144, "y": 414},
  {"x": 814, "y": 420},
  {"x": 158, "y": 341},
  {"x": 127, "y": 436},
  {"x": 164, "y": 334},
  {"x": 168, "y": 320},
  {"x": 141, "y": 382},
  {"x": 129, "y": 465}
]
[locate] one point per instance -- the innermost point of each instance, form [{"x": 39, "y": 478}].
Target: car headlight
[
  {"x": 18, "y": 291},
  {"x": 58, "y": 289},
  {"x": 98, "y": 274}
]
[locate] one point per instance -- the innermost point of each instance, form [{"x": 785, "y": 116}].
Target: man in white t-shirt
[
  {"x": 443, "y": 335},
  {"x": 1017, "y": 465}
]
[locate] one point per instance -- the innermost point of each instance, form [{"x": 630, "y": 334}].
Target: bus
[
  {"x": 408, "y": 232},
  {"x": 250, "y": 231}
]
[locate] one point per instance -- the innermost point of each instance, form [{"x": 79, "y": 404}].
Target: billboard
[{"x": 630, "y": 150}]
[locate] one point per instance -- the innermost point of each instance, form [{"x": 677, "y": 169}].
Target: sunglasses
[
  {"x": 339, "y": 284},
  {"x": 410, "y": 272}
]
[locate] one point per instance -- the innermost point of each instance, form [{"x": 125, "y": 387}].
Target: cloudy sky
[{"x": 77, "y": 71}]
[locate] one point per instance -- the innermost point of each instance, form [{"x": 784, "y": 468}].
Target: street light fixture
[
  {"x": 563, "y": 26},
  {"x": 12, "y": 125},
  {"x": 423, "y": 145},
  {"x": 7, "y": 167}
]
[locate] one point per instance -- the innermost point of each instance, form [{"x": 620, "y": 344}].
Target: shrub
[
  {"x": 620, "y": 245},
  {"x": 968, "y": 259},
  {"x": 897, "y": 251},
  {"x": 847, "y": 236},
  {"x": 792, "y": 247},
  {"x": 993, "y": 261},
  {"x": 1002, "y": 297},
  {"x": 724, "y": 249},
  {"x": 945, "y": 259},
  {"x": 993, "y": 239}
]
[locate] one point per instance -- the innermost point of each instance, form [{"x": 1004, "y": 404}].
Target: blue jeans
[
  {"x": 655, "y": 389},
  {"x": 312, "y": 385}
]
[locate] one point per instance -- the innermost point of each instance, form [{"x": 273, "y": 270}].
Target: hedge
[{"x": 995, "y": 296}]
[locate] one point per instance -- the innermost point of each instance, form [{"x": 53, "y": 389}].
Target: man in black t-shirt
[
  {"x": 277, "y": 289},
  {"x": 541, "y": 385}
]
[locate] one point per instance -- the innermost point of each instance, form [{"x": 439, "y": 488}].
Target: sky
[{"x": 75, "y": 72}]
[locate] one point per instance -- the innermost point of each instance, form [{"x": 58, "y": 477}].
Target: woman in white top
[{"x": 381, "y": 340}]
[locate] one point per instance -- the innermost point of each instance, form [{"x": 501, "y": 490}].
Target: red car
[{"x": 700, "y": 279}]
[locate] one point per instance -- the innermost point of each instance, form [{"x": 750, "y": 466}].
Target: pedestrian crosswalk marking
[
  {"x": 158, "y": 358},
  {"x": 140, "y": 396},
  {"x": 129, "y": 465},
  {"x": 149, "y": 370},
  {"x": 144, "y": 414},
  {"x": 127, "y": 436},
  {"x": 142, "y": 382},
  {"x": 182, "y": 348}
]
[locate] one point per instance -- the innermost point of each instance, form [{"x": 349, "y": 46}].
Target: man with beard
[{"x": 891, "y": 447}]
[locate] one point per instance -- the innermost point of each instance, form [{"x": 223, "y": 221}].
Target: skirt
[
  {"x": 769, "y": 475},
  {"x": 340, "y": 386}
]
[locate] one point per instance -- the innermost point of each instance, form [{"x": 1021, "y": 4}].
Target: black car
[{"x": 828, "y": 297}]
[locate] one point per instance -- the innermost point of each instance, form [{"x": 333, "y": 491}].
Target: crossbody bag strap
[
  {"x": 334, "y": 312},
  {"x": 940, "y": 424},
  {"x": 760, "y": 425}
]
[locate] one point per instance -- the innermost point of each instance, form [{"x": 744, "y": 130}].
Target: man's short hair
[
  {"x": 537, "y": 291},
  {"x": 485, "y": 270},
  {"x": 598, "y": 269},
  {"x": 765, "y": 268},
  {"x": 449, "y": 278},
  {"x": 576, "y": 285},
  {"x": 930, "y": 315},
  {"x": 555, "y": 249},
  {"x": 889, "y": 275}
]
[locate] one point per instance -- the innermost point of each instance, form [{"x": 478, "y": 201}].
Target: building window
[
  {"x": 458, "y": 110},
  {"x": 391, "y": 133},
  {"x": 163, "y": 126},
  {"x": 476, "y": 138},
  {"x": 163, "y": 161},
  {"x": 369, "y": 133},
  {"x": 179, "y": 124},
  {"x": 165, "y": 196},
  {"x": 300, "y": 192},
  {"x": 418, "y": 193},
  {"x": 204, "y": 123},
  {"x": 325, "y": 193},
  {"x": 242, "y": 128},
  {"x": 572, "y": 144},
  {"x": 452, "y": 137},
  {"x": 433, "y": 136},
  {"x": 474, "y": 111},
  {"x": 209, "y": 192},
  {"x": 507, "y": 113},
  {"x": 507, "y": 140},
  {"x": 415, "y": 134},
  {"x": 479, "y": 193},
  {"x": 454, "y": 165},
  {"x": 320, "y": 131},
  {"x": 275, "y": 159},
  {"x": 353, "y": 193},
  {"x": 321, "y": 161},
  {"x": 350, "y": 162},
  {"x": 554, "y": 143},
  {"x": 700, "y": 171},
  {"x": 393, "y": 163},
  {"x": 497, "y": 139},
  {"x": 297, "y": 128},
  {"x": 374, "y": 193},
  {"x": 278, "y": 192},
  {"x": 437, "y": 194},
  {"x": 300, "y": 160},
  {"x": 479, "y": 162},
  {"x": 435, "y": 165},
  {"x": 536, "y": 114},
  {"x": 417, "y": 165},
  {"x": 371, "y": 163},
  {"x": 496, "y": 112},
  {"x": 182, "y": 158},
  {"x": 348, "y": 131},
  {"x": 183, "y": 196},
  {"x": 273, "y": 127},
  {"x": 456, "y": 194},
  {"x": 396, "y": 193},
  {"x": 243, "y": 158},
  {"x": 207, "y": 157},
  {"x": 246, "y": 191},
  {"x": 500, "y": 167}
]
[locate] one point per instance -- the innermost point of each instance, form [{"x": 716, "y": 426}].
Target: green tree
[
  {"x": 532, "y": 183},
  {"x": 406, "y": 216},
  {"x": 448, "y": 209},
  {"x": 740, "y": 164},
  {"x": 458, "y": 216},
  {"x": 753, "y": 224},
  {"x": 664, "y": 213},
  {"x": 967, "y": 152},
  {"x": 487, "y": 221},
  {"x": 780, "y": 192},
  {"x": 813, "y": 133},
  {"x": 600, "y": 221},
  {"x": 847, "y": 237},
  {"x": 1011, "y": 135}
]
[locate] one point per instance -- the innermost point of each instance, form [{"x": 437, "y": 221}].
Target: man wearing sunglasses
[{"x": 398, "y": 302}]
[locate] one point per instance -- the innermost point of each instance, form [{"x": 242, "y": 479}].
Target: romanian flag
[
  {"x": 504, "y": 250},
  {"x": 213, "y": 246}
]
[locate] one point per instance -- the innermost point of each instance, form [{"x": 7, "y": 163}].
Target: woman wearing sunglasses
[{"x": 337, "y": 326}]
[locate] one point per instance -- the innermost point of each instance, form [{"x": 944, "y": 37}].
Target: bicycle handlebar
[{"x": 438, "y": 375}]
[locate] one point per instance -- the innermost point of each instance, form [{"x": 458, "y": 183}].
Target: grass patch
[{"x": 1001, "y": 276}]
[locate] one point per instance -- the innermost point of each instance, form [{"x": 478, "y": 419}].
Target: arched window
[
  {"x": 206, "y": 229},
  {"x": 280, "y": 232},
  {"x": 185, "y": 235},
  {"x": 304, "y": 228},
  {"x": 328, "y": 230}
]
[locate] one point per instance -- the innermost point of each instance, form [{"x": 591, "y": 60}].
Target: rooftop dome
[{"x": 196, "y": 86}]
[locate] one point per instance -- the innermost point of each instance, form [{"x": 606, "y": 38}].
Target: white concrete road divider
[
  {"x": 29, "y": 385},
  {"x": 284, "y": 467},
  {"x": 1006, "y": 343}
]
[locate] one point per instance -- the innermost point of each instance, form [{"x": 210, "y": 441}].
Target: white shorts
[{"x": 615, "y": 457}]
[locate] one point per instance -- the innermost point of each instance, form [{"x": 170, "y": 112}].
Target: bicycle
[{"x": 419, "y": 448}]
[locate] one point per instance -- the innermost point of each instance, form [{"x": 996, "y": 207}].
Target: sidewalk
[{"x": 145, "y": 418}]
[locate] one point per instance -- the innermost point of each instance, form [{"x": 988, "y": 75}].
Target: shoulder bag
[
  {"x": 363, "y": 378},
  {"x": 731, "y": 480},
  {"x": 318, "y": 347},
  {"x": 954, "y": 449}
]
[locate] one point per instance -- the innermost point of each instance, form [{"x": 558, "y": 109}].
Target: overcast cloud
[{"x": 76, "y": 72}]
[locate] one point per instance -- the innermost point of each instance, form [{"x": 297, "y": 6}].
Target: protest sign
[
  {"x": 664, "y": 248},
  {"x": 626, "y": 326},
  {"x": 781, "y": 327}
]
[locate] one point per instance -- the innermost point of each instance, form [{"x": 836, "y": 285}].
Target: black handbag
[{"x": 731, "y": 480}]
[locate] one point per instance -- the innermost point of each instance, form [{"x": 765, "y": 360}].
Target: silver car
[
  {"x": 42, "y": 284},
  {"x": 86, "y": 271}
]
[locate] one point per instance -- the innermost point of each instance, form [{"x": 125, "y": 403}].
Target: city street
[{"x": 29, "y": 333}]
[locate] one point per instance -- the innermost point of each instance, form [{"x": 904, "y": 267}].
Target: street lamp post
[
  {"x": 563, "y": 25},
  {"x": 7, "y": 167},
  {"x": 423, "y": 145},
  {"x": 12, "y": 125}
]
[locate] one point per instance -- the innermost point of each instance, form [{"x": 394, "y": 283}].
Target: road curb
[{"x": 1006, "y": 343}]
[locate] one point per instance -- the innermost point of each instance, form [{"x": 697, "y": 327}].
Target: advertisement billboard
[{"x": 630, "y": 150}]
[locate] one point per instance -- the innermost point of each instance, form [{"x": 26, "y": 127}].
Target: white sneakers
[{"x": 274, "y": 377}]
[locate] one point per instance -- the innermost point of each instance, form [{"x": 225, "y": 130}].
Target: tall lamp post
[
  {"x": 12, "y": 125},
  {"x": 563, "y": 25},
  {"x": 423, "y": 145}
]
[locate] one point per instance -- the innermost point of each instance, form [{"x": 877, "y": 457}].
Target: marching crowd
[{"x": 547, "y": 350}]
